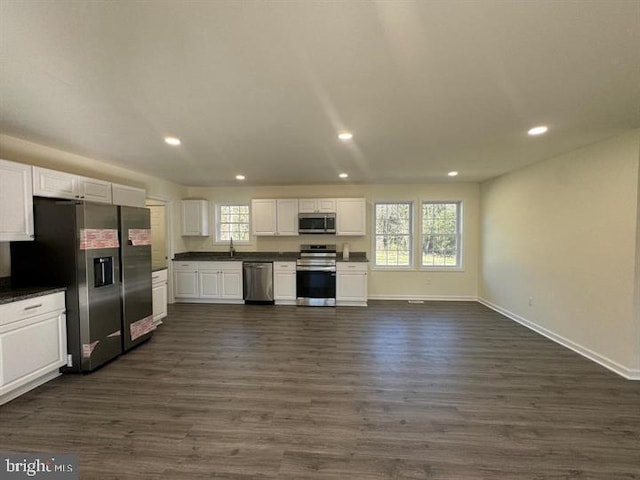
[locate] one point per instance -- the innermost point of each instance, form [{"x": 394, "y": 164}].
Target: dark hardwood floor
[{"x": 393, "y": 391}]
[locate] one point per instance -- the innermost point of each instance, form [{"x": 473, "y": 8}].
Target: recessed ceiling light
[
  {"x": 538, "y": 130},
  {"x": 344, "y": 175},
  {"x": 173, "y": 141},
  {"x": 344, "y": 136},
  {"x": 453, "y": 173},
  {"x": 240, "y": 177}
]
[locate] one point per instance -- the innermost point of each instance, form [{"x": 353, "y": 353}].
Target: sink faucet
[{"x": 232, "y": 251}]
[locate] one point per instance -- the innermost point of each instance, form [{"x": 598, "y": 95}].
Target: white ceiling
[{"x": 262, "y": 87}]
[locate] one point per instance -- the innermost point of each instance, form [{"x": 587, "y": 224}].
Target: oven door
[{"x": 316, "y": 286}]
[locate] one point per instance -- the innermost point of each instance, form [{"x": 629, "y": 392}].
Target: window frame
[
  {"x": 217, "y": 223},
  {"x": 459, "y": 267},
  {"x": 412, "y": 221}
]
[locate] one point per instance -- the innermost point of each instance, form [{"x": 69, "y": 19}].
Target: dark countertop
[
  {"x": 157, "y": 268},
  {"x": 238, "y": 257},
  {"x": 255, "y": 257},
  {"x": 15, "y": 294}
]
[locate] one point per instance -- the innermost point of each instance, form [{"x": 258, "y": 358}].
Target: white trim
[
  {"x": 168, "y": 212},
  {"x": 216, "y": 223},
  {"x": 412, "y": 235},
  {"x": 628, "y": 373},
  {"x": 445, "y": 298},
  {"x": 460, "y": 234}
]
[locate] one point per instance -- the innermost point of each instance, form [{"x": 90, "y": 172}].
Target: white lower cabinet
[
  {"x": 284, "y": 283},
  {"x": 351, "y": 284},
  {"x": 159, "y": 294},
  {"x": 185, "y": 280},
  {"x": 213, "y": 282},
  {"x": 33, "y": 343}
]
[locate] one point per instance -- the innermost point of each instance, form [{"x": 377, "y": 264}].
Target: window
[
  {"x": 393, "y": 234},
  {"x": 232, "y": 221},
  {"x": 441, "y": 234}
]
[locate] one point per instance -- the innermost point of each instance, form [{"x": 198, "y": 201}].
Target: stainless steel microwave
[{"x": 316, "y": 223}]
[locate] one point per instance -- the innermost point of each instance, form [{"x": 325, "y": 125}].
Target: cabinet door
[
  {"x": 210, "y": 284},
  {"x": 284, "y": 286},
  {"x": 287, "y": 217},
  {"x": 263, "y": 217},
  {"x": 326, "y": 205},
  {"x": 185, "y": 284},
  {"x": 16, "y": 202},
  {"x": 195, "y": 218},
  {"x": 231, "y": 284},
  {"x": 31, "y": 349},
  {"x": 351, "y": 287},
  {"x": 128, "y": 196},
  {"x": 51, "y": 183},
  {"x": 284, "y": 281},
  {"x": 159, "y": 293},
  {"x": 351, "y": 216},
  {"x": 307, "y": 205},
  {"x": 94, "y": 190}
]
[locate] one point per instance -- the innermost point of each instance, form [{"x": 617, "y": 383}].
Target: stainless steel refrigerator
[
  {"x": 100, "y": 253},
  {"x": 135, "y": 274},
  {"x": 76, "y": 246}
]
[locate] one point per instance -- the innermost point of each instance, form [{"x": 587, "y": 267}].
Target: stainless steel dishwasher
[{"x": 258, "y": 281}]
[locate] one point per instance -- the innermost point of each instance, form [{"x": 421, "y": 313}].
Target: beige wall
[
  {"x": 563, "y": 232},
  {"x": 5, "y": 260},
  {"x": 18, "y": 150},
  {"x": 405, "y": 284}
]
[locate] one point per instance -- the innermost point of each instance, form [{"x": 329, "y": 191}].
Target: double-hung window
[
  {"x": 393, "y": 234},
  {"x": 441, "y": 235},
  {"x": 232, "y": 222}
]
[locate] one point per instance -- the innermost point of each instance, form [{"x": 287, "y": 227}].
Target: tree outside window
[
  {"x": 441, "y": 234},
  {"x": 393, "y": 234},
  {"x": 232, "y": 222}
]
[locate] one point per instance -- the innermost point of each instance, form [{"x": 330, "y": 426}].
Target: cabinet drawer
[
  {"x": 159, "y": 277},
  {"x": 185, "y": 266},
  {"x": 352, "y": 267},
  {"x": 284, "y": 266},
  {"x": 13, "y": 312}
]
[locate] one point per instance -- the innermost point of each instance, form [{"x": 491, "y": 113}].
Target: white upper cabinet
[
  {"x": 264, "y": 217},
  {"x": 16, "y": 202},
  {"x": 317, "y": 205},
  {"x": 54, "y": 184},
  {"x": 94, "y": 190},
  {"x": 195, "y": 218},
  {"x": 128, "y": 196},
  {"x": 274, "y": 217},
  {"x": 51, "y": 183},
  {"x": 287, "y": 217},
  {"x": 351, "y": 216}
]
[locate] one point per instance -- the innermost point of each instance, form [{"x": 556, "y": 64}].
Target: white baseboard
[
  {"x": 628, "y": 373},
  {"x": 433, "y": 298}
]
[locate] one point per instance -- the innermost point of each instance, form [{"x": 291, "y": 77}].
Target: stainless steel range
[{"x": 316, "y": 276}]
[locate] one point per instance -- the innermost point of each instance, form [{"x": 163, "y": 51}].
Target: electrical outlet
[{"x": 531, "y": 301}]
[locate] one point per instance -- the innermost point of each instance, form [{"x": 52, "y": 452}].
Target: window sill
[{"x": 442, "y": 269}]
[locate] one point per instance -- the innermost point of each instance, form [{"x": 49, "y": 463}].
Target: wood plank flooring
[{"x": 393, "y": 391}]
